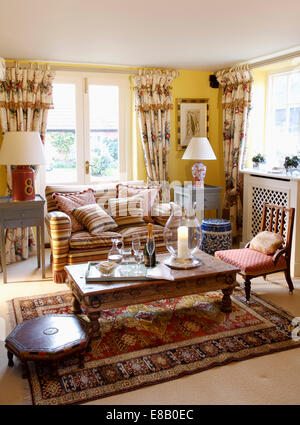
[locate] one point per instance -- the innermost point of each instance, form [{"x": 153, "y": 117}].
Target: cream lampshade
[
  {"x": 22, "y": 148},
  {"x": 199, "y": 148}
]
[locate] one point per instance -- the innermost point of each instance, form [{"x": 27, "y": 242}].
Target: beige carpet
[{"x": 273, "y": 379}]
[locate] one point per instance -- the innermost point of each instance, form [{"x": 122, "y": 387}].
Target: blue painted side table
[
  {"x": 216, "y": 235},
  {"x": 22, "y": 214}
]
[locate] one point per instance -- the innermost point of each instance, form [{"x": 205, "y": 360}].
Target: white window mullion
[
  {"x": 80, "y": 131},
  {"x": 86, "y": 126}
]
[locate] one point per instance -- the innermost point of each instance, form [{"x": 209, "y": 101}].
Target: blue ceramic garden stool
[{"x": 216, "y": 235}]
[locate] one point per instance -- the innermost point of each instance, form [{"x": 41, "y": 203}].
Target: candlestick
[{"x": 182, "y": 244}]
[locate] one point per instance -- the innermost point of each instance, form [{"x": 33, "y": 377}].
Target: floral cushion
[
  {"x": 67, "y": 202},
  {"x": 250, "y": 261},
  {"x": 94, "y": 218},
  {"x": 266, "y": 242}
]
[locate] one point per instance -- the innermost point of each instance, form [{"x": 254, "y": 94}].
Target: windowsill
[{"x": 267, "y": 173}]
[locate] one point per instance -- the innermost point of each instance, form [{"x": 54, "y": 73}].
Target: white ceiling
[{"x": 182, "y": 34}]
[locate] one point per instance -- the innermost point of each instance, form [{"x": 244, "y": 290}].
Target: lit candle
[{"x": 182, "y": 244}]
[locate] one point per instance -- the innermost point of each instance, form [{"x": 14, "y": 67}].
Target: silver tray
[{"x": 121, "y": 272}]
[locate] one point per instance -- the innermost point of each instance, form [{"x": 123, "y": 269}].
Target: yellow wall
[
  {"x": 257, "y": 127},
  {"x": 191, "y": 84}
]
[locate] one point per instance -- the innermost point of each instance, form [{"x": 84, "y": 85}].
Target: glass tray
[{"x": 121, "y": 272}]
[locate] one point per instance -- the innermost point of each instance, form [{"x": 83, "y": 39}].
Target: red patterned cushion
[
  {"x": 67, "y": 202},
  {"x": 250, "y": 261}
]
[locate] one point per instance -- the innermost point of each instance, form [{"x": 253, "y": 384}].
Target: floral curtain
[
  {"x": 153, "y": 104},
  {"x": 25, "y": 97},
  {"x": 236, "y": 85}
]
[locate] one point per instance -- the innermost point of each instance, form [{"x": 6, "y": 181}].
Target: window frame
[
  {"x": 270, "y": 106},
  {"x": 82, "y": 79}
]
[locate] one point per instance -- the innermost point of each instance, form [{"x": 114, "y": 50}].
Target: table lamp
[
  {"x": 22, "y": 149},
  {"x": 199, "y": 148}
]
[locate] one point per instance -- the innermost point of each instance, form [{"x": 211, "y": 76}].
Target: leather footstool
[{"x": 48, "y": 338}]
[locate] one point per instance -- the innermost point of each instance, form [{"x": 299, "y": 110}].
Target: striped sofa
[{"x": 79, "y": 247}]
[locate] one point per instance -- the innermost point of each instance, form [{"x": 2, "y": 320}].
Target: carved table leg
[
  {"x": 76, "y": 309},
  {"x": 10, "y": 358},
  {"x": 226, "y": 300},
  {"x": 95, "y": 325}
]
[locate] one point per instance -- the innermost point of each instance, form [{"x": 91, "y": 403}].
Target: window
[
  {"x": 87, "y": 132},
  {"x": 283, "y": 116}
]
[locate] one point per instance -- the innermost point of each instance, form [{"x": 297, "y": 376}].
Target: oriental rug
[{"x": 150, "y": 343}]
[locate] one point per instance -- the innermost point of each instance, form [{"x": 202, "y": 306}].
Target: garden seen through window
[
  {"x": 84, "y": 132},
  {"x": 283, "y": 117}
]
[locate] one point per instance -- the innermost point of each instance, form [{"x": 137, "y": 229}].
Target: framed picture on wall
[{"x": 192, "y": 120}]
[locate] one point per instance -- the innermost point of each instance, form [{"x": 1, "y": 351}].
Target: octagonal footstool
[{"x": 48, "y": 338}]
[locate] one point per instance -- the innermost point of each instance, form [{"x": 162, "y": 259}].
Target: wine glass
[
  {"x": 136, "y": 243},
  {"x": 138, "y": 256},
  {"x": 150, "y": 246},
  {"x": 126, "y": 256}
]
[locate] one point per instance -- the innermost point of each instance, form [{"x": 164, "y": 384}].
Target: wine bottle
[{"x": 149, "y": 250}]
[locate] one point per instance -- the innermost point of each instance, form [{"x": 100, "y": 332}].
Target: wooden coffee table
[{"x": 91, "y": 298}]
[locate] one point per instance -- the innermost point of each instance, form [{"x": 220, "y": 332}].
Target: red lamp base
[{"x": 23, "y": 183}]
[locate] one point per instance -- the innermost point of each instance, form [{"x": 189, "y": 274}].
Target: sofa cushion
[
  {"x": 266, "y": 242},
  {"x": 126, "y": 211},
  {"x": 142, "y": 230},
  {"x": 67, "y": 202},
  {"x": 84, "y": 240},
  {"x": 94, "y": 219},
  {"x": 149, "y": 194},
  {"x": 161, "y": 212},
  {"x": 103, "y": 192}
]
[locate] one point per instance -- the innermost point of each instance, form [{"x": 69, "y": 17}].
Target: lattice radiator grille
[{"x": 260, "y": 195}]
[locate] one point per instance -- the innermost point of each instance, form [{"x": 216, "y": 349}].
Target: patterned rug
[{"x": 151, "y": 343}]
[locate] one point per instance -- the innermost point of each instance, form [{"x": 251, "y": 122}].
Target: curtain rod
[
  {"x": 87, "y": 68},
  {"x": 270, "y": 61},
  {"x": 70, "y": 68},
  {"x": 264, "y": 62},
  {"x": 275, "y": 60}
]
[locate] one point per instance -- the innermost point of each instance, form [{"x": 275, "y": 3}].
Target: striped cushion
[
  {"x": 126, "y": 211},
  {"x": 149, "y": 195},
  {"x": 251, "y": 262},
  {"x": 84, "y": 240},
  {"x": 162, "y": 211},
  {"x": 94, "y": 219},
  {"x": 67, "y": 202},
  {"x": 103, "y": 192}
]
